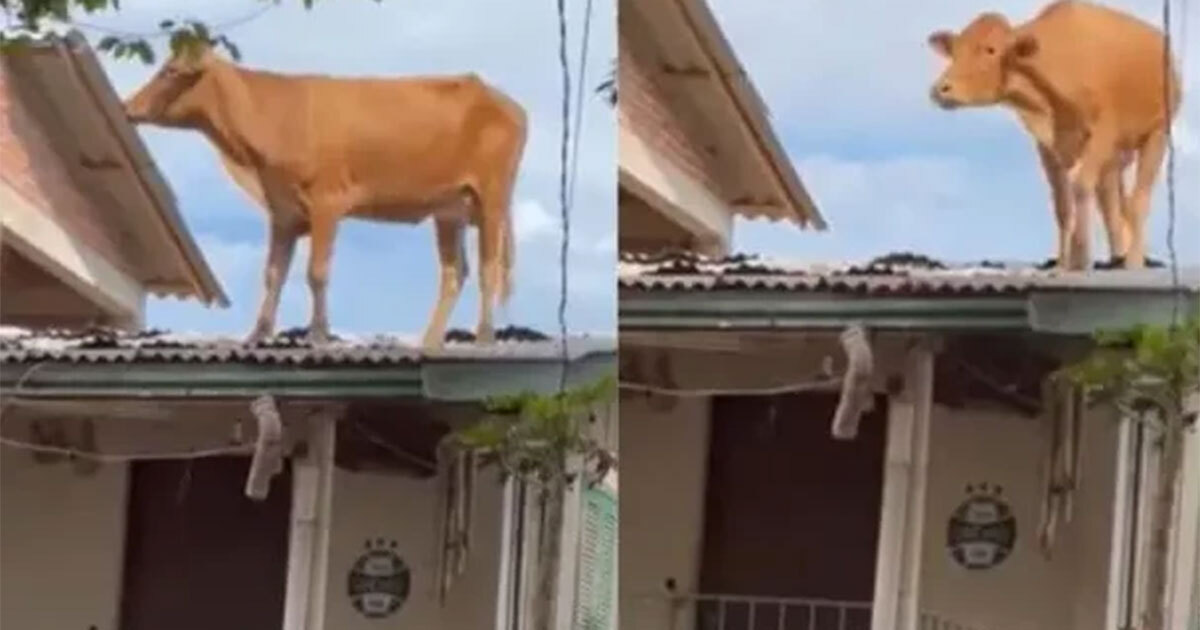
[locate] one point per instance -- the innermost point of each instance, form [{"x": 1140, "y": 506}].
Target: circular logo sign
[
  {"x": 982, "y": 530},
  {"x": 379, "y": 580}
]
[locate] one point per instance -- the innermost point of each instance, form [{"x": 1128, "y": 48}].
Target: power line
[
  {"x": 1168, "y": 84},
  {"x": 564, "y": 202},
  {"x": 218, "y": 28},
  {"x": 579, "y": 89}
]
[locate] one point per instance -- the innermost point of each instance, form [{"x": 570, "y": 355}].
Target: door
[
  {"x": 791, "y": 513},
  {"x": 200, "y": 554}
]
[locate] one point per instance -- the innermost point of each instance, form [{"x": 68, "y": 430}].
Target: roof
[
  {"x": 106, "y": 362},
  {"x": 67, "y": 73},
  {"x": 689, "y": 39},
  {"x": 899, "y": 290}
]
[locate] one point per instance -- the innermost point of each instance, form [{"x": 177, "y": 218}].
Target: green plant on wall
[
  {"x": 544, "y": 441},
  {"x": 1149, "y": 373}
]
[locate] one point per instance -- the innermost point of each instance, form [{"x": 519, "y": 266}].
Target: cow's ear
[
  {"x": 1024, "y": 47},
  {"x": 942, "y": 42}
]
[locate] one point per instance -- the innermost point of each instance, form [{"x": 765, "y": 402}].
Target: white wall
[
  {"x": 370, "y": 506},
  {"x": 662, "y": 510},
  {"x": 62, "y": 534},
  {"x": 1026, "y": 591},
  {"x": 61, "y": 544}
]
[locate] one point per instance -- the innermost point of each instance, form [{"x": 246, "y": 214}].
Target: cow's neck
[
  {"x": 228, "y": 120},
  {"x": 1057, "y": 123}
]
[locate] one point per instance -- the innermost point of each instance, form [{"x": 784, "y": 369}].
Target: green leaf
[
  {"x": 144, "y": 52},
  {"x": 229, "y": 46},
  {"x": 108, "y": 43}
]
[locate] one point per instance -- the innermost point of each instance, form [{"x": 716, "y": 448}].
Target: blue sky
[
  {"x": 847, "y": 85},
  {"x": 384, "y": 276}
]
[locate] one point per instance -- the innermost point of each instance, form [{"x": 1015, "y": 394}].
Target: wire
[
  {"x": 787, "y": 388},
  {"x": 218, "y": 28},
  {"x": 1168, "y": 84},
  {"x": 579, "y": 89},
  {"x": 564, "y": 203},
  {"x": 126, "y": 457}
]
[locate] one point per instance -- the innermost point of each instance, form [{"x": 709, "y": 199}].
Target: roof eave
[
  {"x": 753, "y": 110},
  {"x": 81, "y": 60}
]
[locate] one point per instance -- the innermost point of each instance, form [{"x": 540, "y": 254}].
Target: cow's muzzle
[{"x": 940, "y": 94}]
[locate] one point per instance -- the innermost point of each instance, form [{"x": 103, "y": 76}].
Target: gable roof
[
  {"x": 757, "y": 170},
  {"x": 65, "y": 71}
]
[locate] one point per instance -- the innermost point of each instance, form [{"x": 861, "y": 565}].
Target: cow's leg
[
  {"x": 1098, "y": 155},
  {"x": 281, "y": 246},
  {"x": 1112, "y": 207},
  {"x": 452, "y": 261},
  {"x": 322, "y": 232},
  {"x": 493, "y": 215},
  {"x": 1149, "y": 160},
  {"x": 1062, "y": 203}
]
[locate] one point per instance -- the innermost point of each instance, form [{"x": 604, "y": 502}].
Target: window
[{"x": 594, "y": 606}]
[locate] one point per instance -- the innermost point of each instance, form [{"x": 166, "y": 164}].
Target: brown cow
[
  {"x": 1088, "y": 84},
  {"x": 314, "y": 149}
]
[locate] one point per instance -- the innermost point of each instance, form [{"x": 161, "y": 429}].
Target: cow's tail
[{"x": 508, "y": 253}]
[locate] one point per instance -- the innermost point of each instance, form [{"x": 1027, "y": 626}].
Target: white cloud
[{"x": 532, "y": 220}]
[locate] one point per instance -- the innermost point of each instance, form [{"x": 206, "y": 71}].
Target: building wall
[
  {"x": 61, "y": 544},
  {"x": 62, "y": 535},
  {"x": 30, "y": 166},
  {"x": 1026, "y": 591},
  {"x": 371, "y": 506},
  {"x": 661, "y": 526},
  {"x": 662, "y": 514}
]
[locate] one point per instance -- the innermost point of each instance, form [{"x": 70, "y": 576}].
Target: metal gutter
[
  {"x": 205, "y": 381},
  {"x": 749, "y": 310},
  {"x": 451, "y": 380},
  {"x": 1059, "y": 312}
]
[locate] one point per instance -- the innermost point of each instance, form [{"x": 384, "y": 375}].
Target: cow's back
[
  {"x": 404, "y": 140},
  {"x": 1101, "y": 58}
]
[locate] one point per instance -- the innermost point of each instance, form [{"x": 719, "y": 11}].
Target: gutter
[
  {"x": 749, "y": 310},
  {"x": 1058, "y": 312},
  {"x": 749, "y": 105},
  {"x": 77, "y": 55},
  {"x": 439, "y": 380}
]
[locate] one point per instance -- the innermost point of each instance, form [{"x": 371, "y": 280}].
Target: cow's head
[
  {"x": 981, "y": 58},
  {"x": 171, "y": 97}
]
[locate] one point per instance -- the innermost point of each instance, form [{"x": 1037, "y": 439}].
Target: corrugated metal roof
[
  {"x": 902, "y": 274},
  {"x": 288, "y": 348}
]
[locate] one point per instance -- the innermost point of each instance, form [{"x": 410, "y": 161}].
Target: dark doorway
[
  {"x": 790, "y": 512},
  {"x": 200, "y": 554}
]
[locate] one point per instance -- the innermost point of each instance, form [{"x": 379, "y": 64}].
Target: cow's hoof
[
  {"x": 257, "y": 336},
  {"x": 485, "y": 335},
  {"x": 432, "y": 342},
  {"x": 318, "y": 337}
]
